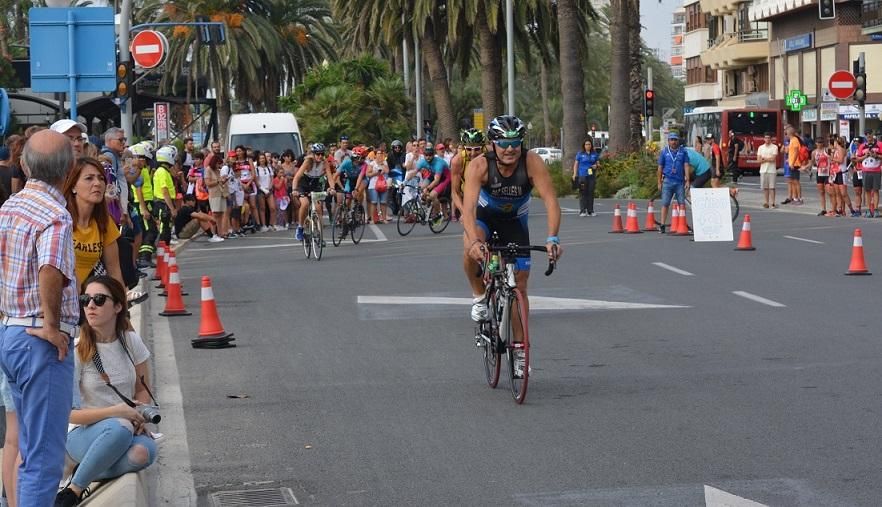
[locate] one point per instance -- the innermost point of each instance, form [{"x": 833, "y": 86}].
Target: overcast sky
[{"x": 655, "y": 17}]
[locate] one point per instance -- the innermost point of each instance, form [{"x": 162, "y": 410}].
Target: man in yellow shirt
[{"x": 164, "y": 192}]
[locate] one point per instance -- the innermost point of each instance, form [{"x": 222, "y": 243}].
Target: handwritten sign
[{"x": 712, "y": 214}]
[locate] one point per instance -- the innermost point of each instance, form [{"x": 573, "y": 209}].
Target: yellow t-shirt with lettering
[{"x": 89, "y": 245}]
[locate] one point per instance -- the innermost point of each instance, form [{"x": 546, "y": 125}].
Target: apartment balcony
[
  {"x": 702, "y": 92},
  {"x": 764, "y": 9},
  {"x": 720, "y": 7},
  {"x": 736, "y": 50}
]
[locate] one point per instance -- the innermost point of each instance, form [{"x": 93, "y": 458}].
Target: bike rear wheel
[
  {"x": 437, "y": 226},
  {"x": 518, "y": 379},
  {"x": 307, "y": 241},
  {"x": 318, "y": 243},
  {"x": 337, "y": 226},
  {"x": 408, "y": 218},
  {"x": 735, "y": 207},
  {"x": 489, "y": 332},
  {"x": 357, "y": 224}
]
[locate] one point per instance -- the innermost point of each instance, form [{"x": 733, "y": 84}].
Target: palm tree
[
  {"x": 635, "y": 78},
  {"x": 620, "y": 95},
  {"x": 572, "y": 80}
]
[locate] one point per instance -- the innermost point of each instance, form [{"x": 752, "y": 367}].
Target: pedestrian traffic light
[
  {"x": 648, "y": 102},
  {"x": 826, "y": 9},
  {"x": 124, "y": 86}
]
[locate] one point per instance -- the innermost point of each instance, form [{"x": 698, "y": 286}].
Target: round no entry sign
[
  {"x": 148, "y": 48},
  {"x": 842, "y": 84}
]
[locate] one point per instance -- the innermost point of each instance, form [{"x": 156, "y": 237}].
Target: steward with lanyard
[
  {"x": 673, "y": 179},
  {"x": 109, "y": 437}
]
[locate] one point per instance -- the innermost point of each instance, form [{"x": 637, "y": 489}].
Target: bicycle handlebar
[{"x": 515, "y": 250}]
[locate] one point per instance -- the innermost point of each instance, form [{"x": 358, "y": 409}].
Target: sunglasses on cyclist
[
  {"x": 473, "y": 148},
  {"x": 509, "y": 143},
  {"x": 99, "y": 299}
]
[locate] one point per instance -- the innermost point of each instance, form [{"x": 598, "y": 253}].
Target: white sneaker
[
  {"x": 215, "y": 239},
  {"x": 583, "y": 214},
  {"x": 519, "y": 361},
  {"x": 264, "y": 228},
  {"x": 479, "y": 309}
]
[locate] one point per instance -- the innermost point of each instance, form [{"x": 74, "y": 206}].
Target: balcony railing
[
  {"x": 753, "y": 35},
  {"x": 871, "y": 14}
]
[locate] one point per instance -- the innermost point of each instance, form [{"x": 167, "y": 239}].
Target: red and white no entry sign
[
  {"x": 842, "y": 84},
  {"x": 148, "y": 48}
]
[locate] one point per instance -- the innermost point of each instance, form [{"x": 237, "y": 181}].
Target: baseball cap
[
  {"x": 231, "y": 153},
  {"x": 673, "y": 135},
  {"x": 439, "y": 147},
  {"x": 429, "y": 150},
  {"x": 709, "y": 135},
  {"x": 62, "y": 126},
  {"x": 344, "y": 138}
]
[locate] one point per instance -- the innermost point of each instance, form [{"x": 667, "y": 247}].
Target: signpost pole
[
  {"x": 649, "y": 118},
  {"x": 862, "y": 114},
  {"x": 72, "y": 71},
  {"x": 125, "y": 109}
]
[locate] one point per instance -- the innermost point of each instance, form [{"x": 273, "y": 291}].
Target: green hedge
[{"x": 637, "y": 170}]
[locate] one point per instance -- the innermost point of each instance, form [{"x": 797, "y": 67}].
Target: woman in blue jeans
[{"x": 110, "y": 438}]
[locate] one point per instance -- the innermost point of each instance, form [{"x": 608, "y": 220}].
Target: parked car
[{"x": 548, "y": 155}]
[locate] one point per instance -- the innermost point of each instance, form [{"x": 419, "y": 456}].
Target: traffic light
[
  {"x": 648, "y": 102},
  {"x": 826, "y": 9},
  {"x": 124, "y": 78},
  {"x": 860, "y": 78}
]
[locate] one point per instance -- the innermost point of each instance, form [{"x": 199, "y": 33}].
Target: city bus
[{"x": 749, "y": 125}]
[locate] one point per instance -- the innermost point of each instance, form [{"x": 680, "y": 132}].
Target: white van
[{"x": 274, "y": 132}]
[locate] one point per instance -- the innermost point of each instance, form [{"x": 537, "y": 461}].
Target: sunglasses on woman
[
  {"x": 473, "y": 149},
  {"x": 510, "y": 143},
  {"x": 99, "y": 299}
]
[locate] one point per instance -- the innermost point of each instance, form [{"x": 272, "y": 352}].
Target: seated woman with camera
[{"x": 111, "y": 403}]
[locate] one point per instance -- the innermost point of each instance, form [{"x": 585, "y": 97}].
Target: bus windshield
[{"x": 752, "y": 123}]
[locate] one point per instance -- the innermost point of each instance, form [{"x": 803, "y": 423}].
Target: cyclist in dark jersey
[{"x": 496, "y": 198}]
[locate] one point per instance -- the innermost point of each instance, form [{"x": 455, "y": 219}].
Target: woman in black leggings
[{"x": 584, "y": 171}]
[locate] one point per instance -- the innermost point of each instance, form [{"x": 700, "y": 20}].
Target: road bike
[
  {"x": 507, "y": 312},
  {"x": 350, "y": 219},
  {"x": 417, "y": 211},
  {"x": 313, "y": 241}
]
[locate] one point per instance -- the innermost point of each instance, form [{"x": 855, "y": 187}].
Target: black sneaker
[
  {"x": 660, "y": 228},
  {"x": 787, "y": 201},
  {"x": 66, "y": 498},
  {"x": 822, "y": 213}
]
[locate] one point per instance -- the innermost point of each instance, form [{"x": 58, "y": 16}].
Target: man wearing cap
[
  {"x": 714, "y": 155},
  {"x": 343, "y": 152},
  {"x": 672, "y": 176},
  {"x": 74, "y": 131}
]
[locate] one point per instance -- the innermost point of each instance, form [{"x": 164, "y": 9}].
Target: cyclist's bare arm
[
  {"x": 305, "y": 166},
  {"x": 476, "y": 176},
  {"x": 541, "y": 180},
  {"x": 455, "y": 179}
]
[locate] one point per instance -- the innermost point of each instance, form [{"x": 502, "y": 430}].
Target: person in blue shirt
[
  {"x": 672, "y": 176},
  {"x": 585, "y": 171},
  {"x": 699, "y": 168}
]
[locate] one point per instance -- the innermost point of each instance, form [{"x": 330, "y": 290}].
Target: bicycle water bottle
[{"x": 494, "y": 263}]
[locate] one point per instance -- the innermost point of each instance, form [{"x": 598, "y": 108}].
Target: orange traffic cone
[
  {"x": 160, "y": 265},
  {"x": 745, "y": 242},
  {"x": 675, "y": 219},
  {"x": 683, "y": 229},
  {"x": 617, "y": 221},
  {"x": 172, "y": 261},
  {"x": 174, "y": 305},
  {"x": 211, "y": 331},
  {"x": 857, "y": 265},
  {"x": 165, "y": 271},
  {"x": 650, "y": 224},
  {"x": 632, "y": 226}
]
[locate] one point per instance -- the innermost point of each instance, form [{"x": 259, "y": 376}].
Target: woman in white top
[
  {"x": 111, "y": 438},
  {"x": 265, "y": 198}
]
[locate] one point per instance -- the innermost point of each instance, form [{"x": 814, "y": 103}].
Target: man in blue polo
[{"x": 672, "y": 176}]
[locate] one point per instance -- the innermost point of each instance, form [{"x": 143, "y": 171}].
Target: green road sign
[{"x": 796, "y": 100}]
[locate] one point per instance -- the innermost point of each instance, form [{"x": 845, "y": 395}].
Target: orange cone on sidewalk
[
  {"x": 683, "y": 224},
  {"x": 174, "y": 305},
  {"x": 160, "y": 265},
  {"x": 650, "y": 224},
  {"x": 632, "y": 226},
  {"x": 163, "y": 281},
  {"x": 745, "y": 242},
  {"x": 857, "y": 265},
  {"x": 211, "y": 331},
  {"x": 617, "y": 221}
]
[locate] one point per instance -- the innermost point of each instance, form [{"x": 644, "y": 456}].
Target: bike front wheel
[
  {"x": 307, "y": 242},
  {"x": 318, "y": 243},
  {"x": 357, "y": 224},
  {"x": 408, "y": 218},
  {"x": 517, "y": 353},
  {"x": 337, "y": 226}
]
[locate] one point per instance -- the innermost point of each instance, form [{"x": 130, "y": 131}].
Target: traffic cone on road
[
  {"x": 160, "y": 264},
  {"x": 174, "y": 305},
  {"x": 211, "y": 331},
  {"x": 745, "y": 242},
  {"x": 675, "y": 219},
  {"x": 683, "y": 224},
  {"x": 617, "y": 221},
  {"x": 632, "y": 226},
  {"x": 650, "y": 224},
  {"x": 172, "y": 261},
  {"x": 857, "y": 265}
]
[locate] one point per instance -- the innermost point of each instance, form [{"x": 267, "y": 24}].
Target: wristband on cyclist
[
  {"x": 553, "y": 239},
  {"x": 475, "y": 242}
]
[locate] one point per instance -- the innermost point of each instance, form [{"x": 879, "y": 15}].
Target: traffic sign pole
[
  {"x": 71, "y": 72},
  {"x": 862, "y": 119},
  {"x": 125, "y": 109}
]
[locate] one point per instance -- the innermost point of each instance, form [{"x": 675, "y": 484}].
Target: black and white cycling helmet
[
  {"x": 471, "y": 137},
  {"x": 317, "y": 148},
  {"x": 506, "y": 127},
  {"x": 397, "y": 144}
]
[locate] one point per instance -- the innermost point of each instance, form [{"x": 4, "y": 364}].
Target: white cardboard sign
[{"x": 711, "y": 214}]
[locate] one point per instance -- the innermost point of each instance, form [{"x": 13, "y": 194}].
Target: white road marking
[
  {"x": 804, "y": 239},
  {"x": 536, "y": 303},
  {"x": 714, "y": 497},
  {"x": 378, "y": 232},
  {"x": 758, "y": 299},
  {"x": 672, "y": 269}
]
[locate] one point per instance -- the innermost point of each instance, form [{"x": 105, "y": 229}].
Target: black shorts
[
  {"x": 794, "y": 174},
  {"x": 838, "y": 179},
  {"x": 202, "y": 206},
  {"x": 701, "y": 180},
  {"x": 822, "y": 180},
  {"x": 308, "y": 185},
  {"x": 855, "y": 181},
  {"x": 509, "y": 230}
]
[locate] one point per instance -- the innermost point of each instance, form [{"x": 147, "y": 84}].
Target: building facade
[
  {"x": 702, "y": 87},
  {"x": 678, "y": 29}
]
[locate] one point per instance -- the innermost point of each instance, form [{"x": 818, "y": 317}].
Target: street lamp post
[{"x": 509, "y": 36}]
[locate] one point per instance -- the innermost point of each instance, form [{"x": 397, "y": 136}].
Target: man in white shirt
[{"x": 767, "y": 155}]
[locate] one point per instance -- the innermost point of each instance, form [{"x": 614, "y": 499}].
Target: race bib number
[{"x": 872, "y": 162}]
